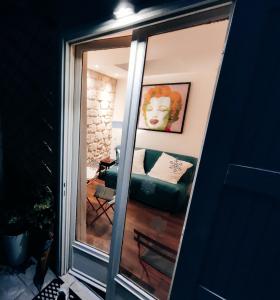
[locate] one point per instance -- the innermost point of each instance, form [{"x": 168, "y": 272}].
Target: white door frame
[{"x": 69, "y": 134}]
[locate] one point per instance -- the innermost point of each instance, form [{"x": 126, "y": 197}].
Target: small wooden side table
[{"x": 104, "y": 165}]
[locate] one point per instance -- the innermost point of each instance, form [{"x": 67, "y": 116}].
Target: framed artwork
[{"x": 163, "y": 106}]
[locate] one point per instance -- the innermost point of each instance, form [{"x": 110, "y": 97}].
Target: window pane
[
  {"x": 180, "y": 73},
  {"x": 102, "y": 109}
]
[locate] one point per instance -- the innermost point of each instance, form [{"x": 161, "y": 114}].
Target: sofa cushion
[
  {"x": 169, "y": 169},
  {"x": 138, "y": 162},
  {"x": 151, "y": 156},
  {"x": 150, "y": 159}
]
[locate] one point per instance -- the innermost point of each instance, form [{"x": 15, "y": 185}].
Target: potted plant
[
  {"x": 42, "y": 226},
  {"x": 42, "y": 214},
  {"x": 14, "y": 236}
]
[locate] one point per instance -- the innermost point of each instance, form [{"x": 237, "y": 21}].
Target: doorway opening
[
  {"x": 104, "y": 79},
  {"x": 144, "y": 100}
]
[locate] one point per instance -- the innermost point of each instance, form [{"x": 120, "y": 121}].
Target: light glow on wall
[{"x": 124, "y": 9}]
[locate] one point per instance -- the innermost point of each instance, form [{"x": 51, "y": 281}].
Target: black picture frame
[{"x": 182, "y": 113}]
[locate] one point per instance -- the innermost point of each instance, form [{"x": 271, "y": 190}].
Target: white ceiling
[
  {"x": 182, "y": 51},
  {"x": 107, "y": 61}
]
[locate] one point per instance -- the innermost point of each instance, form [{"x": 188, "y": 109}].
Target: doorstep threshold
[{"x": 79, "y": 288}]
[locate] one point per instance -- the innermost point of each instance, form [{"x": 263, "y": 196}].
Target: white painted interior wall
[
  {"x": 191, "y": 54},
  {"x": 118, "y": 113},
  {"x": 191, "y": 139}
]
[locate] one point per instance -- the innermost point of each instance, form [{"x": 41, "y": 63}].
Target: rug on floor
[{"x": 51, "y": 290}]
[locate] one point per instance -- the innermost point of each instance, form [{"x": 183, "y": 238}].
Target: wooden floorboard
[{"x": 160, "y": 226}]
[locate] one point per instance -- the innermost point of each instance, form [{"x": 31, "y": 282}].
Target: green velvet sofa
[{"x": 154, "y": 192}]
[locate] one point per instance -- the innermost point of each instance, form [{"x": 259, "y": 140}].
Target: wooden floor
[
  {"x": 161, "y": 226},
  {"x": 99, "y": 233}
]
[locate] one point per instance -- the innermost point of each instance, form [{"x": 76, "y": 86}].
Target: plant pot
[
  {"x": 42, "y": 264},
  {"x": 15, "y": 248}
]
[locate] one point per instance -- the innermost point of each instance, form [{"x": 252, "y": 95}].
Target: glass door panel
[
  {"x": 178, "y": 83},
  {"x": 104, "y": 78}
]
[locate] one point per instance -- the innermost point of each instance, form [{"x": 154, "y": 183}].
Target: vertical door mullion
[
  {"x": 75, "y": 144},
  {"x": 135, "y": 75}
]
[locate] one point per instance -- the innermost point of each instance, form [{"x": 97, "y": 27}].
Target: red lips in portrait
[{"x": 154, "y": 121}]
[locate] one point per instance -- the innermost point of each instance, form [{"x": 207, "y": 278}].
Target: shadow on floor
[{"x": 17, "y": 284}]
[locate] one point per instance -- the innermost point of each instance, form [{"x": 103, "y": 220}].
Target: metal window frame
[
  {"x": 68, "y": 181},
  {"x": 79, "y": 50}
]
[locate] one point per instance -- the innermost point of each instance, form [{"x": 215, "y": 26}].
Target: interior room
[
  {"x": 106, "y": 79},
  {"x": 181, "y": 68}
]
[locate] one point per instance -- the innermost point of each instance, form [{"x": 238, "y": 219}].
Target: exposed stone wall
[{"x": 100, "y": 104}]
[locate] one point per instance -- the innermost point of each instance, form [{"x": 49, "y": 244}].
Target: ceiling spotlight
[
  {"x": 96, "y": 66},
  {"x": 124, "y": 9}
]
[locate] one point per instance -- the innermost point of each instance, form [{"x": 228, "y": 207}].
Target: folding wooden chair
[{"x": 106, "y": 199}]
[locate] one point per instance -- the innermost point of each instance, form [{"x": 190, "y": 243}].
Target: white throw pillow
[
  {"x": 169, "y": 168},
  {"x": 138, "y": 162}
]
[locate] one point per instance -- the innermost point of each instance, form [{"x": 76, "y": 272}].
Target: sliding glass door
[
  {"x": 142, "y": 100},
  {"x": 176, "y": 94},
  {"x": 100, "y": 86},
  {"x": 177, "y": 65}
]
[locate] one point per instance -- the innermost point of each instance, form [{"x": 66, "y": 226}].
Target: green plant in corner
[
  {"x": 43, "y": 215},
  {"x": 42, "y": 220}
]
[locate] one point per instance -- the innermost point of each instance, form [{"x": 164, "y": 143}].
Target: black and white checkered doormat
[{"x": 51, "y": 290}]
